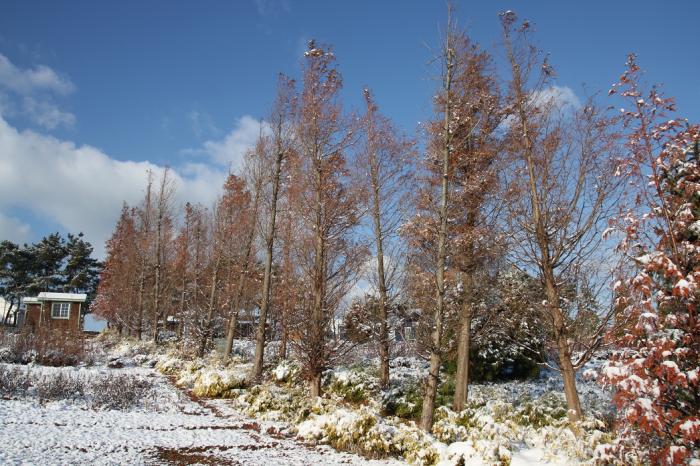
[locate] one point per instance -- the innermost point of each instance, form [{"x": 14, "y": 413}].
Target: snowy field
[
  {"x": 135, "y": 403},
  {"x": 168, "y": 429}
]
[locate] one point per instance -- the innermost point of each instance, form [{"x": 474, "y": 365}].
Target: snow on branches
[{"x": 655, "y": 368}]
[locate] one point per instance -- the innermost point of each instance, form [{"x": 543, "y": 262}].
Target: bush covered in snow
[
  {"x": 46, "y": 347},
  {"x": 353, "y": 385},
  {"x": 119, "y": 391},
  {"x": 207, "y": 377},
  {"x": 286, "y": 371},
  {"x": 218, "y": 383},
  {"x": 363, "y": 431},
  {"x": 98, "y": 391},
  {"x": 499, "y": 422},
  {"x": 404, "y": 401}
]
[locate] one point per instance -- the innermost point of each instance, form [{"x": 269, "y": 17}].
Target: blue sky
[{"x": 93, "y": 93}]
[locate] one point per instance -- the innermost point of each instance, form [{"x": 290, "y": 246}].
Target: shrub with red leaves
[{"x": 655, "y": 371}]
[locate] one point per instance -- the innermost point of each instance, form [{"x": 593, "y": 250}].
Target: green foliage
[
  {"x": 353, "y": 385},
  {"x": 405, "y": 402},
  {"x": 547, "y": 410},
  {"x": 445, "y": 391},
  {"x": 492, "y": 366},
  {"x": 52, "y": 264}
]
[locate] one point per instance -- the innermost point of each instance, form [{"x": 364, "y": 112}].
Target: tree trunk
[
  {"x": 426, "y": 420},
  {"x": 283, "y": 343},
  {"x": 542, "y": 239},
  {"x": 6, "y": 319},
  {"x": 463, "y": 346},
  {"x": 573, "y": 403},
  {"x": 154, "y": 334},
  {"x": 233, "y": 319},
  {"x": 156, "y": 284},
  {"x": 269, "y": 244},
  {"x": 568, "y": 373},
  {"x": 183, "y": 298},
  {"x": 206, "y": 335},
  {"x": 318, "y": 290},
  {"x": 383, "y": 301},
  {"x": 142, "y": 290},
  {"x": 315, "y": 385}
]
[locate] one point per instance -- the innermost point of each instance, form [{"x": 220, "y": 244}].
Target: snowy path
[{"x": 189, "y": 433}]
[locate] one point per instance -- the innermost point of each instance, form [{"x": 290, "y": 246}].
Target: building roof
[
  {"x": 77, "y": 297},
  {"x": 30, "y": 300}
]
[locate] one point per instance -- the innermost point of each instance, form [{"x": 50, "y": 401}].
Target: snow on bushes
[
  {"x": 351, "y": 385},
  {"x": 97, "y": 390},
  {"x": 500, "y": 422},
  {"x": 209, "y": 377},
  {"x": 219, "y": 383},
  {"x": 286, "y": 371},
  {"x": 363, "y": 431}
]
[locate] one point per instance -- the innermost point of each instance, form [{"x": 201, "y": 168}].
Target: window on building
[{"x": 60, "y": 310}]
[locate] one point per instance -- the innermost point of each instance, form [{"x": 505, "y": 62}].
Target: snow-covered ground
[
  {"x": 520, "y": 423},
  {"x": 169, "y": 429}
]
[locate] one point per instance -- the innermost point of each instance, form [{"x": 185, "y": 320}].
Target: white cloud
[
  {"x": 230, "y": 150},
  {"x": 30, "y": 92},
  {"x": 560, "y": 96},
  {"x": 47, "y": 114},
  {"x": 202, "y": 124},
  {"x": 13, "y": 229},
  {"x": 29, "y": 81},
  {"x": 80, "y": 187}
]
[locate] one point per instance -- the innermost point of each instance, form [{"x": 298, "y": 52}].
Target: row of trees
[
  {"x": 512, "y": 191},
  {"x": 54, "y": 263}
]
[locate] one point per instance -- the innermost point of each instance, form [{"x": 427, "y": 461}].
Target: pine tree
[
  {"x": 81, "y": 271},
  {"x": 48, "y": 255}
]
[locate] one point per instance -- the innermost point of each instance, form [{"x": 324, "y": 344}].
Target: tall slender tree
[
  {"x": 281, "y": 145},
  {"x": 384, "y": 162},
  {"x": 327, "y": 207},
  {"x": 473, "y": 207},
  {"x": 561, "y": 194},
  {"x": 242, "y": 252},
  {"x": 162, "y": 243},
  {"x": 429, "y": 234},
  {"x": 227, "y": 223},
  {"x": 118, "y": 285},
  {"x": 143, "y": 248}
]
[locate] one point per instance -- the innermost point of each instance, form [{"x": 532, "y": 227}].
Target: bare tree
[
  {"x": 226, "y": 223},
  {"x": 144, "y": 216},
  {"x": 561, "y": 192},
  {"x": 442, "y": 145},
  {"x": 200, "y": 240},
  {"x": 288, "y": 289},
  {"x": 281, "y": 141},
  {"x": 182, "y": 265},
  {"x": 162, "y": 239},
  {"x": 383, "y": 164},
  {"x": 242, "y": 247}
]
